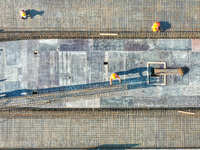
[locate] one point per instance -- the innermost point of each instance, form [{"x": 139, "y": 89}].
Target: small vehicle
[{"x": 23, "y": 14}]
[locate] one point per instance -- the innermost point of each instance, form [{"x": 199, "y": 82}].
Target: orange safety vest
[
  {"x": 114, "y": 76},
  {"x": 22, "y": 13},
  {"x": 155, "y": 26}
]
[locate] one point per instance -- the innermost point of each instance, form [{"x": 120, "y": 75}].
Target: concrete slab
[
  {"x": 76, "y": 45},
  {"x": 180, "y": 59},
  {"x": 194, "y": 80},
  {"x": 134, "y": 91},
  {"x": 48, "y": 45},
  {"x": 150, "y": 102},
  {"x": 150, "y": 56},
  {"x": 133, "y": 67},
  {"x": 140, "y": 45},
  {"x": 166, "y": 56},
  {"x": 94, "y": 103},
  {"x": 194, "y": 68},
  {"x": 13, "y": 53},
  {"x": 198, "y": 101},
  {"x": 12, "y": 74},
  {"x": 108, "y": 45},
  {"x": 78, "y": 71},
  {"x": 171, "y": 90},
  {"x": 116, "y": 62},
  {"x": 44, "y": 69},
  {"x": 187, "y": 91},
  {"x": 62, "y": 66},
  {"x": 182, "y": 101},
  {"x": 151, "y": 91},
  {"x": 195, "y": 45},
  {"x": 178, "y": 80},
  {"x": 175, "y": 44},
  {"x": 71, "y": 69},
  {"x": 117, "y": 102},
  {"x": 95, "y": 66},
  {"x": 54, "y": 69},
  {"x": 13, "y": 86},
  {"x": 194, "y": 57}
]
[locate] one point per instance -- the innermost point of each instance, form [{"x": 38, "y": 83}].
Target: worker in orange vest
[
  {"x": 23, "y": 14},
  {"x": 155, "y": 26},
  {"x": 114, "y": 76}
]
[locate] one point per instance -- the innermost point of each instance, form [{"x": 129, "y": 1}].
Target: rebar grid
[
  {"x": 102, "y": 15},
  {"x": 100, "y": 128},
  {"x": 13, "y": 36},
  {"x": 88, "y": 18}
]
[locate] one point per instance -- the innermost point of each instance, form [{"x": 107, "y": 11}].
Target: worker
[
  {"x": 155, "y": 27},
  {"x": 114, "y": 76},
  {"x": 23, "y": 14}
]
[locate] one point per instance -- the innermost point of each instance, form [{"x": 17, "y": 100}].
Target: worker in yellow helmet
[
  {"x": 23, "y": 14},
  {"x": 114, "y": 76},
  {"x": 155, "y": 27}
]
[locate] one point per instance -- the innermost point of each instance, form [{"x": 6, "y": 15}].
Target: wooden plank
[
  {"x": 108, "y": 34},
  {"x": 168, "y": 72}
]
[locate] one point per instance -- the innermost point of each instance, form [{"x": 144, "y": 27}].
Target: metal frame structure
[{"x": 148, "y": 72}]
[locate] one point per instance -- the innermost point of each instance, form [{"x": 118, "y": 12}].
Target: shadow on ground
[
  {"x": 115, "y": 146},
  {"x": 132, "y": 83},
  {"x": 135, "y": 70},
  {"x": 164, "y": 25},
  {"x": 32, "y": 13},
  {"x": 3, "y": 80},
  {"x": 186, "y": 70}
]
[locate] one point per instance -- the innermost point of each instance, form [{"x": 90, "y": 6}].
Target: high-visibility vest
[
  {"x": 155, "y": 26},
  {"x": 113, "y": 76},
  {"x": 22, "y": 13}
]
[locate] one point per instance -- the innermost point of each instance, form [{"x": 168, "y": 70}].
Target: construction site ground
[{"x": 55, "y": 68}]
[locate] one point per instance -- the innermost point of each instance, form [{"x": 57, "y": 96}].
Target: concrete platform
[{"x": 75, "y": 72}]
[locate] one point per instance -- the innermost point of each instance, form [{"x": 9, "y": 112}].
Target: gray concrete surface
[
  {"x": 77, "y": 67},
  {"x": 100, "y": 129},
  {"x": 100, "y": 15}
]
